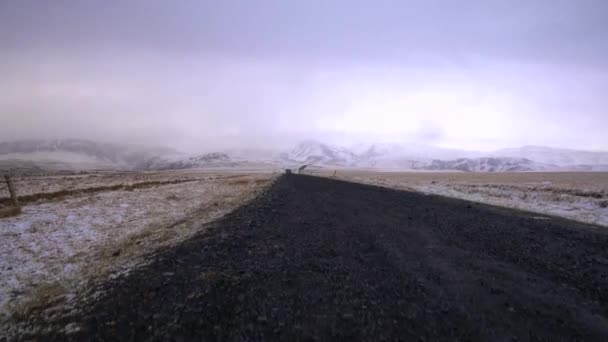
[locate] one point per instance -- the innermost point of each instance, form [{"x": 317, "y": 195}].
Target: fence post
[{"x": 11, "y": 190}]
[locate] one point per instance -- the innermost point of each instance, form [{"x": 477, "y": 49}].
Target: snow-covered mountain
[
  {"x": 555, "y": 156},
  {"x": 412, "y": 152},
  {"x": 246, "y": 154},
  {"x": 179, "y": 162},
  {"x": 70, "y": 154},
  {"x": 36, "y": 156},
  {"x": 422, "y": 157},
  {"x": 489, "y": 164},
  {"x": 314, "y": 152},
  {"x": 102, "y": 152},
  {"x": 402, "y": 156},
  {"x": 75, "y": 154}
]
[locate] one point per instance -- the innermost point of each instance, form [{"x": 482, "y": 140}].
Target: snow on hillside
[
  {"x": 38, "y": 155},
  {"x": 59, "y": 160},
  {"x": 489, "y": 165},
  {"x": 313, "y": 152},
  {"x": 414, "y": 157},
  {"x": 422, "y": 157},
  {"x": 184, "y": 162},
  {"x": 405, "y": 156},
  {"x": 75, "y": 154},
  {"x": 64, "y": 242},
  {"x": 411, "y": 152},
  {"x": 248, "y": 154},
  {"x": 556, "y": 156},
  {"x": 104, "y": 152}
]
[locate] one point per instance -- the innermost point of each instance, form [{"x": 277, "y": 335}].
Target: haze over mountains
[{"x": 75, "y": 155}]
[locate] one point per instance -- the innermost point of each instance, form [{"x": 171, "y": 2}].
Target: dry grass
[
  {"x": 29, "y": 185},
  {"x": 58, "y": 195},
  {"x": 9, "y": 211},
  {"x": 81, "y": 236},
  {"x": 261, "y": 181},
  {"x": 42, "y": 297},
  {"x": 246, "y": 180},
  {"x": 239, "y": 181}
]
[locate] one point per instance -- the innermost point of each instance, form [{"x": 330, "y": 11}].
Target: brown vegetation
[
  {"x": 112, "y": 228},
  {"x": 9, "y": 211},
  {"x": 245, "y": 180},
  {"x": 42, "y": 297},
  {"x": 57, "y": 195}
]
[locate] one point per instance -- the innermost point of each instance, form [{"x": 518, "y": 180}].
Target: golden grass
[
  {"x": 246, "y": 180},
  {"x": 240, "y": 181}
]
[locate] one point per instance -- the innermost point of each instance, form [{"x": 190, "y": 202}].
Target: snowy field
[
  {"x": 580, "y": 196},
  {"x": 59, "y": 244},
  {"x": 29, "y": 185}
]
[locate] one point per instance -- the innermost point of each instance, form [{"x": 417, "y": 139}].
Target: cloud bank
[{"x": 202, "y": 75}]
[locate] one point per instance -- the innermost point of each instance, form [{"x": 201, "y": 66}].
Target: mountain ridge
[{"x": 79, "y": 154}]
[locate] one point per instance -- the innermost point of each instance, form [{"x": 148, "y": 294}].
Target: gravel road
[{"x": 320, "y": 259}]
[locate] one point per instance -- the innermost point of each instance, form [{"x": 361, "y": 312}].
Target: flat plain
[
  {"x": 319, "y": 259},
  {"x": 78, "y": 229},
  {"x": 237, "y": 255}
]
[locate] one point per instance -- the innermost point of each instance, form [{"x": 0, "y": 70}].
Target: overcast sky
[{"x": 198, "y": 75}]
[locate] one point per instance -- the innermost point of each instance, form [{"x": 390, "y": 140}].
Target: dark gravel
[{"x": 320, "y": 259}]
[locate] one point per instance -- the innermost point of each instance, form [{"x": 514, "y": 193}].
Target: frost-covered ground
[
  {"x": 55, "y": 246},
  {"x": 581, "y": 196},
  {"x": 28, "y": 185}
]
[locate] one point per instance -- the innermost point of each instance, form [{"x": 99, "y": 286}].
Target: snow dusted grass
[
  {"x": 58, "y": 245},
  {"x": 580, "y": 196},
  {"x": 30, "y": 185}
]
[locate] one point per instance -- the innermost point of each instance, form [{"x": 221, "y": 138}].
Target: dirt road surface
[{"x": 320, "y": 259}]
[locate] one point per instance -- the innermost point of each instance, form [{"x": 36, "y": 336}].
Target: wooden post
[{"x": 11, "y": 190}]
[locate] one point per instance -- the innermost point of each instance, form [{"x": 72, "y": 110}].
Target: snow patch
[{"x": 54, "y": 241}]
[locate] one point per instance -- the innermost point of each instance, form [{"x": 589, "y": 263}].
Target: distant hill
[
  {"x": 489, "y": 164},
  {"x": 74, "y": 155},
  {"x": 71, "y": 155},
  {"x": 555, "y": 156},
  {"x": 177, "y": 163},
  {"x": 420, "y": 157},
  {"x": 313, "y": 152}
]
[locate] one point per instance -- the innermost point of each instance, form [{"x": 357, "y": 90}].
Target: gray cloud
[
  {"x": 557, "y": 30},
  {"x": 477, "y": 74}
]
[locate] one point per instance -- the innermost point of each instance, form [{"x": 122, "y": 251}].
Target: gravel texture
[{"x": 321, "y": 259}]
